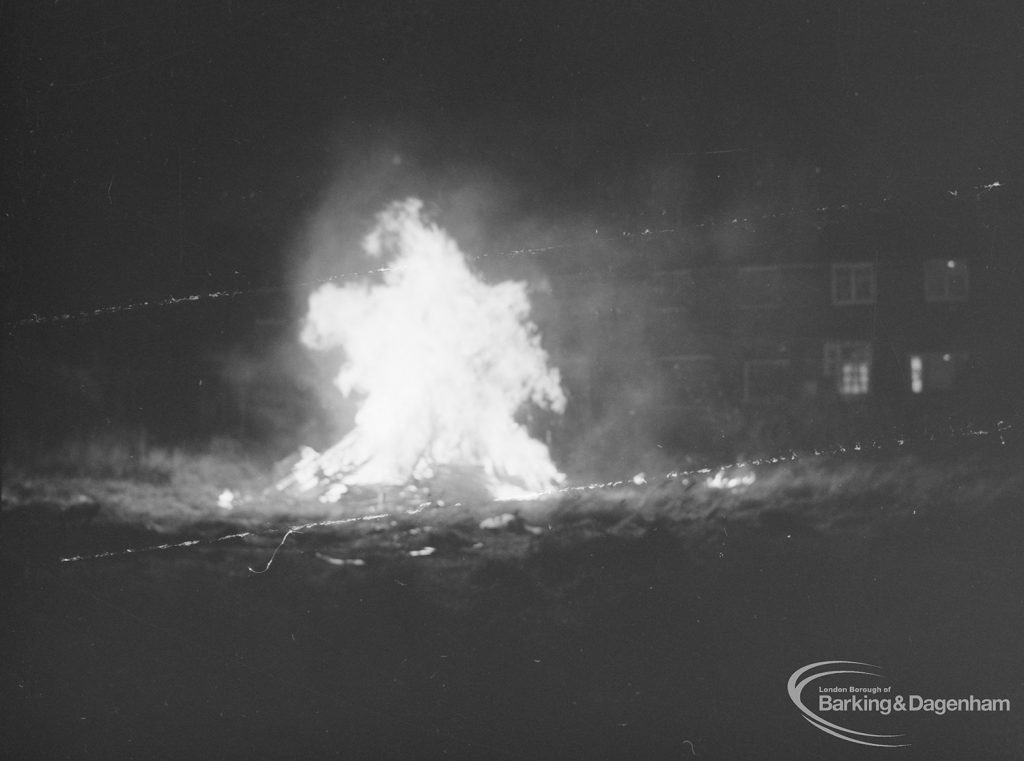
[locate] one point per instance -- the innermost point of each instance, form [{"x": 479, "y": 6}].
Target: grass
[
  {"x": 615, "y": 622},
  {"x": 162, "y": 488},
  {"x": 169, "y": 490}
]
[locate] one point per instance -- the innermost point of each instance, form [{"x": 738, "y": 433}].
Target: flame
[
  {"x": 737, "y": 482},
  {"x": 442, "y": 362}
]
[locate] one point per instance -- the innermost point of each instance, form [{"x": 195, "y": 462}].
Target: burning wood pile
[{"x": 441, "y": 363}]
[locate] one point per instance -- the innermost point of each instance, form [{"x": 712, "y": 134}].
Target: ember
[{"x": 442, "y": 362}]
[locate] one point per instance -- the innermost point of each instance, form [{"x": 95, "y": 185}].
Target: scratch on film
[{"x": 1001, "y": 428}]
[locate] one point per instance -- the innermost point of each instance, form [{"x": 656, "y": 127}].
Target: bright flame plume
[{"x": 442, "y": 361}]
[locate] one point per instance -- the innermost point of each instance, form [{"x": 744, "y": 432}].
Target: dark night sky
[{"x": 162, "y": 148}]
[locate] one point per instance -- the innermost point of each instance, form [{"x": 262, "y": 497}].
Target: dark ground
[{"x": 610, "y": 634}]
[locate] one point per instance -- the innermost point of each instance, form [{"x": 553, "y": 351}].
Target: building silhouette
[{"x": 799, "y": 329}]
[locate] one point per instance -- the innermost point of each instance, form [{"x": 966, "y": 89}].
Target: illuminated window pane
[
  {"x": 848, "y": 363},
  {"x": 854, "y": 379},
  {"x": 916, "y": 374}
]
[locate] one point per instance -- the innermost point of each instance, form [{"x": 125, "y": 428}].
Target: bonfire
[{"x": 440, "y": 362}]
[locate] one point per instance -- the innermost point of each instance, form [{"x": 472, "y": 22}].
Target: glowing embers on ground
[{"x": 441, "y": 361}]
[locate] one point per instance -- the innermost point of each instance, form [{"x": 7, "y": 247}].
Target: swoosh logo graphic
[{"x": 804, "y": 676}]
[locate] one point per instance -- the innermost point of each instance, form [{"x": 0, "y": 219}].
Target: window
[
  {"x": 766, "y": 379},
  {"x": 853, "y": 283},
  {"x": 945, "y": 280},
  {"x": 935, "y": 371},
  {"x": 848, "y": 364}
]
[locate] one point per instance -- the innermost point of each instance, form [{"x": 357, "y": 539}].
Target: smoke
[{"x": 586, "y": 271}]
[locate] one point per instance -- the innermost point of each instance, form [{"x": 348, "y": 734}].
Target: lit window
[
  {"x": 946, "y": 280},
  {"x": 935, "y": 371},
  {"x": 916, "y": 374},
  {"x": 854, "y": 379},
  {"x": 853, "y": 283},
  {"x": 848, "y": 364}
]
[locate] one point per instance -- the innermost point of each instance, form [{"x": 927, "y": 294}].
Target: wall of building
[{"x": 881, "y": 322}]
